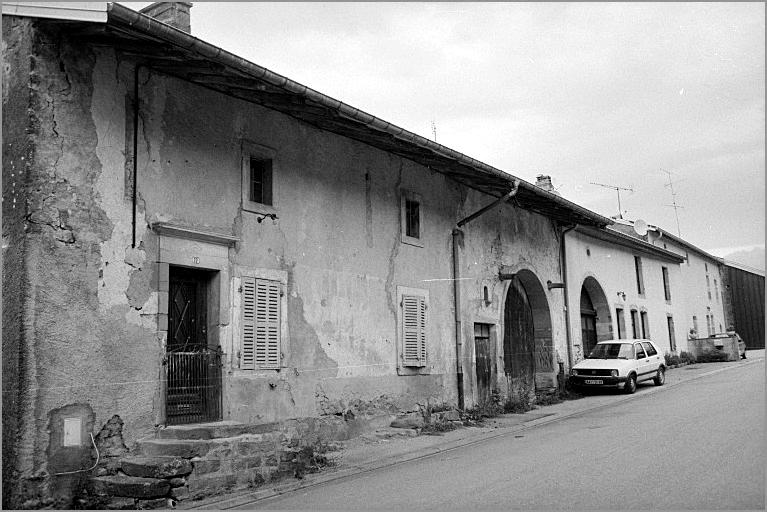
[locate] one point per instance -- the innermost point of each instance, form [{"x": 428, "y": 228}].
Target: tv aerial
[
  {"x": 618, "y": 190},
  {"x": 673, "y": 204}
]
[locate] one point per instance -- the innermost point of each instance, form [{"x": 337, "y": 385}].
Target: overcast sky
[{"x": 611, "y": 93}]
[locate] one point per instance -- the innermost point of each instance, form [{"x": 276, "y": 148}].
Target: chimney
[
  {"x": 175, "y": 14},
  {"x": 544, "y": 182}
]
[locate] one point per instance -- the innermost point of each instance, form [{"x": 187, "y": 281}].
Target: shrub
[
  {"x": 712, "y": 357},
  {"x": 672, "y": 359},
  {"x": 687, "y": 357}
]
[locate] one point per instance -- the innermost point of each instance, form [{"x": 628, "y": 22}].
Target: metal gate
[{"x": 193, "y": 387}]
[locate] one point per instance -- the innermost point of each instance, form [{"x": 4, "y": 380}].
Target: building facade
[
  {"x": 622, "y": 287},
  {"x": 194, "y": 239}
]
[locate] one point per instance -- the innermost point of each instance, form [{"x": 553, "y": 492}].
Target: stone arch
[
  {"x": 528, "y": 346},
  {"x": 595, "y": 315}
]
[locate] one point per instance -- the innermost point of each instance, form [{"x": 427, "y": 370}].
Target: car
[{"x": 620, "y": 364}]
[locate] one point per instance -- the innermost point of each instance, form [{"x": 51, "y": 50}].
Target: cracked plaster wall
[
  {"x": 95, "y": 338},
  {"x": 76, "y": 347}
]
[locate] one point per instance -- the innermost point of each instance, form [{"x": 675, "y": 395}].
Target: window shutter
[
  {"x": 248, "y": 323},
  {"x": 260, "y": 324},
  {"x": 414, "y": 330},
  {"x": 267, "y": 352}
]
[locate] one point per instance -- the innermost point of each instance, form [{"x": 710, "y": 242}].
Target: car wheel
[
  {"x": 660, "y": 379},
  {"x": 631, "y": 384}
]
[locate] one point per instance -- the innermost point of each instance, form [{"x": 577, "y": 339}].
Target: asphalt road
[{"x": 699, "y": 445}]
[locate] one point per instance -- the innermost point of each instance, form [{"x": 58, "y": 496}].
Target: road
[{"x": 699, "y": 445}]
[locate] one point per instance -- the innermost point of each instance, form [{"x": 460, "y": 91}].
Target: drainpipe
[
  {"x": 563, "y": 252},
  {"x": 457, "y": 237},
  {"x": 135, "y": 149}
]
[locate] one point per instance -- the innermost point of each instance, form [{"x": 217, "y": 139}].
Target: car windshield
[{"x": 612, "y": 351}]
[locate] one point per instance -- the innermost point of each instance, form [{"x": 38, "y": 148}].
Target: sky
[{"x": 610, "y": 93}]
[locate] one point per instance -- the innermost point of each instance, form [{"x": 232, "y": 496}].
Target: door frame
[{"x": 201, "y": 250}]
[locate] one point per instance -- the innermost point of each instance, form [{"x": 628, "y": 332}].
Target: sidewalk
[{"x": 361, "y": 454}]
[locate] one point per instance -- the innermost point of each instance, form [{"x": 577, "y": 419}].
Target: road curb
[{"x": 247, "y": 497}]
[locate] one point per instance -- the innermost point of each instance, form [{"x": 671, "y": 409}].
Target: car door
[
  {"x": 642, "y": 362},
  {"x": 652, "y": 355}
]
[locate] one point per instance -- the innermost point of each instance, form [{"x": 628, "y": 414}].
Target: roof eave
[{"x": 126, "y": 18}]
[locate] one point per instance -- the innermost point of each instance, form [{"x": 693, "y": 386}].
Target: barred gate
[{"x": 193, "y": 392}]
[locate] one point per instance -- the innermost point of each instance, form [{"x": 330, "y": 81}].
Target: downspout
[
  {"x": 568, "y": 334},
  {"x": 457, "y": 237},
  {"x": 135, "y": 149},
  {"x": 457, "y": 240}
]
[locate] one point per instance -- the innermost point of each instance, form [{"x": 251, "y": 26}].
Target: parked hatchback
[{"x": 620, "y": 364}]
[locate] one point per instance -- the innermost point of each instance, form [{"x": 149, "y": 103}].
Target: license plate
[{"x": 592, "y": 381}]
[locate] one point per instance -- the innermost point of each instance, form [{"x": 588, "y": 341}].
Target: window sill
[
  {"x": 258, "y": 208},
  {"x": 417, "y": 242}
]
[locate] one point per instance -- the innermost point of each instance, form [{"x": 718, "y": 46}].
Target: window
[
  {"x": 258, "y": 184},
  {"x": 411, "y": 218},
  {"x": 635, "y": 323},
  {"x": 261, "y": 317},
  {"x": 671, "y": 334},
  {"x": 649, "y": 349},
  {"x": 695, "y": 324},
  {"x": 645, "y": 326},
  {"x": 640, "y": 279},
  {"x": 261, "y": 181},
  {"x": 666, "y": 284},
  {"x": 621, "y": 323},
  {"x": 687, "y": 258},
  {"x": 708, "y": 287},
  {"x": 708, "y": 325},
  {"x": 413, "y": 330},
  {"x": 716, "y": 290}
]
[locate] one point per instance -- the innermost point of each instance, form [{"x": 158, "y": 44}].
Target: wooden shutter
[
  {"x": 414, "y": 330},
  {"x": 260, "y": 324}
]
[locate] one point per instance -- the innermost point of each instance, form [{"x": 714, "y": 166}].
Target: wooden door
[
  {"x": 519, "y": 337},
  {"x": 193, "y": 371},
  {"x": 485, "y": 362}
]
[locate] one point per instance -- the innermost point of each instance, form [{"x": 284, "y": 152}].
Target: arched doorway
[
  {"x": 596, "y": 320},
  {"x": 527, "y": 344}
]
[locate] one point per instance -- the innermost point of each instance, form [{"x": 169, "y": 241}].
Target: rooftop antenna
[
  {"x": 618, "y": 190},
  {"x": 673, "y": 204},
  {"x": 434, "y": 130}
]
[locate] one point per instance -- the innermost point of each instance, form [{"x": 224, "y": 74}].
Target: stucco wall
[
  {"x": 97, "y": 305},
  {"x": 613, "y": 268},
  {"x": 18, "y": 157},
  {"x": 694, "y": 289}
]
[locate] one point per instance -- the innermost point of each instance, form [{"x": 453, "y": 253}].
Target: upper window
[
  {"x": 258, "y": 183},
  {"x": 261, "y": 180},
  {"x": 411, "y": 218},
  {"x": 666, "y": 284},
  {"x": 640, "y": 279}
]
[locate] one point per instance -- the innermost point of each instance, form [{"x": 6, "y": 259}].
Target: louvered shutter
[
  {"x": 267, "y": 353},
  {"x": 248, "y": 323},
  {"x": 414, "y": 330},
  {"x": 260, "y": 324}
]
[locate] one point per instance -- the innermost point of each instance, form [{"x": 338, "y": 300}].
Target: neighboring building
[
  {"x": 702, "y": 313},
  {"x": 743, "y": 289},
  {"x": 172, "y": 209},
  {"x": 622, "y": 287}
]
